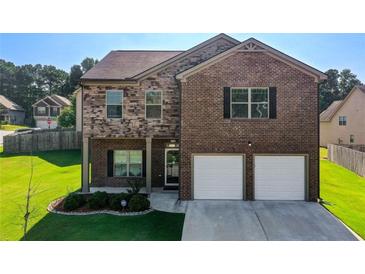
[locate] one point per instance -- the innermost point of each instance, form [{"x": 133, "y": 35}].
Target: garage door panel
[
  {"x": 218, "y": 177},
  {"x": 279, "y": 177}
]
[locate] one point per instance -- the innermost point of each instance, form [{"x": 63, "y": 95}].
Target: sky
[{"x": 322, "y": 51}]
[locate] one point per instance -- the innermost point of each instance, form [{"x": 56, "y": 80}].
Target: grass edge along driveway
[
  {"x": 56, "y": 173},
  {"x": 344, "y": 190}
]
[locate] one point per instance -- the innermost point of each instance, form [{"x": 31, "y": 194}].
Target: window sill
[{"x": 249, "y": 119}]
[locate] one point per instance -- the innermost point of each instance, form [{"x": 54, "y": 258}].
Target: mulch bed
[{"x": 57, "y": 207}]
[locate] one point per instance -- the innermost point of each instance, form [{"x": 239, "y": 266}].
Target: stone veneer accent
[
  {"x": 134, "y": 124},
  {"x": 203, "y": 129}
]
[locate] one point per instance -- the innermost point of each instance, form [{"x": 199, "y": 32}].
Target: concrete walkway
[
  {"x": 262, "y": 220},
  {"x": 168, "y": 202}
]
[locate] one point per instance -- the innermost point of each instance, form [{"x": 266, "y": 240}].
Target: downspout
[
  {"x": 179, "y": 132},
  {"x": 82, "y": 133},
  {"x": 318, "y": 146}
]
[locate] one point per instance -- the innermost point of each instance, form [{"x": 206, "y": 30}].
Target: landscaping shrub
[
  {"x": 73, "y": 201},
  {"x": 114, "y": 200},
  {"x": 98, "y": 200},
  {"x": 138, "y": 203},
  {"x": 135, "y": 187}
]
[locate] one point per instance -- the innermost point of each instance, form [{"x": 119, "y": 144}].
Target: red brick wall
[
  {"x": 99, "y": 150},
  {"x": 203, "y": 129}
]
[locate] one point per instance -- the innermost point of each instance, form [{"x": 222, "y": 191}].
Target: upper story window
[
  {"x": 41, "y": 111},
  {"x": 342, "y": 120},
  {"x": 153, "y": 104},
  {"x": 128, "y": 163},
  {"x": 114, "y": 103},
  {"x": 55, "y": 111},
  {"x": 249, "y": 102}
]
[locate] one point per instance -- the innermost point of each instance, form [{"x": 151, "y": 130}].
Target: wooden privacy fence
[
  {"x": 351, "y": 159},
  {"x": 42, "y": 140}
]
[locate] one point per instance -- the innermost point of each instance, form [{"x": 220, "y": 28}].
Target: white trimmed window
[
  {"x": 250, "y": 103},
  {"x": 342, "y": 120},
  {"x": 41, "y": 111},
  {"x": 114, "y": 103},
  {"x": 128, "y": 163},
  {"x": 153, "y": 103}
]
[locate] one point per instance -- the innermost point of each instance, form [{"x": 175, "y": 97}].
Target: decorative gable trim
[
  {"x": 160, "y": 66},
  {"x": 253, "y": 45}
]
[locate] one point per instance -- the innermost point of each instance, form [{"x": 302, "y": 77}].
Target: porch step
[{"x": 171, "y": 188}]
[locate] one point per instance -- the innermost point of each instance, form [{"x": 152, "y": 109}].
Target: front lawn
[
  {"x": 57, "y": 173},
  {"x": 345, "y": 191},
  {"x": 11, "y": 127}
]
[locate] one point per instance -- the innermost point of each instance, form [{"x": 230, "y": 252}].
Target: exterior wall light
[
  {"x": 123, "y": 203},
  {"x": 249, "y": 143}
]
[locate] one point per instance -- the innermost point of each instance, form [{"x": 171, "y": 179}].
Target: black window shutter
[
  {"x": 272, "y": 102},
  {"x": 143, "y": 163},
  {"x": 110, "y": 162},
  {"x": 227, "y": 102}
]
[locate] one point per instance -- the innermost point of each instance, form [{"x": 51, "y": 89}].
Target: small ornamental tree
[{"x": 67, "y": 117}]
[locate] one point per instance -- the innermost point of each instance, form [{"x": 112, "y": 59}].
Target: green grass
[
  {"x": 323, "y": 153},
  {"x": 57, "y": 173},
  {"x": 345, "y": 191},
  {"x": 11, "y": 127}
]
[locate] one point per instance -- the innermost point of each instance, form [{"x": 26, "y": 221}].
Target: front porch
[{"x": 110, "y": 164}]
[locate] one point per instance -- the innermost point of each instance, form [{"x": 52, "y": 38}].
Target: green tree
[
  {"x": 88, "y": 63},
  {"x": 75, "y": 75},
  {"x": 336, "y": 87},
  {"x": 54, "y": 79},
  {"x": 67, "y": 118}
]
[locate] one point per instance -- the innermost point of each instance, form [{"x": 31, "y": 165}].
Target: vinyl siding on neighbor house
[{"x": 354, "y": 110}]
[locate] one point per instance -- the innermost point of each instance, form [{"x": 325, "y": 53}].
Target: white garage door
[
  {"x": 279, "y": 177},
  {"x": 44, "y": 124},
  {"x": 218, "y": 177}
]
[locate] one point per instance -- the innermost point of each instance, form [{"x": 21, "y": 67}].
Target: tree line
[{"x": 27, "y": 84}]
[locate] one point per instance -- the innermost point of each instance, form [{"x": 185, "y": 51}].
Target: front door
[{"x": 172, "y": 166}]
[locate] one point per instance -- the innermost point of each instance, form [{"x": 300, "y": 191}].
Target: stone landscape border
[{"x": 51, "y": 208}]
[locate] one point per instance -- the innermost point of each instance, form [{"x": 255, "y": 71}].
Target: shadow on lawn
[
  {"x": 61, "y": 158},
  {"x": 157, "y": 225}
]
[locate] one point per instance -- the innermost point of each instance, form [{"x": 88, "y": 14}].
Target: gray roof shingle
[
  {"x": 9, "y": 104},
  {"x": 122, "y": 65}
]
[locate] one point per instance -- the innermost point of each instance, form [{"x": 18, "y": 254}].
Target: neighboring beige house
[
  {"x": 47, "y": 110},
  {"x": 343, "y": 122},
  {"x": 77, "y": 93},
  {"x": 11, "y": 112}
]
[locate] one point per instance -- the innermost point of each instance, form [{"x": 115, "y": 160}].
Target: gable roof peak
[{"x": 254, "y": 45}]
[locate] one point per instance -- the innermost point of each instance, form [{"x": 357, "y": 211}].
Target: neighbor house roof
[
  {"x": 54, "y": 100},
  {"x": 138, "y": 64},
  {"x": 119, "y": 64},
  {"x": 9, "y": 104},
  {"x": 253, "y": 45},
  {"x": 328, "y": 113}
]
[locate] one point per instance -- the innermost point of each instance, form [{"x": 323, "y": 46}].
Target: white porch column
[
  {"x": 85, "y": 165},
  {"x": 148, "y": 164}
]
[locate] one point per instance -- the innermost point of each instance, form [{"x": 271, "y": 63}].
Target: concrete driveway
[
  {"x": 3, "y": 133},
  {"x": 262, "y": 220}
]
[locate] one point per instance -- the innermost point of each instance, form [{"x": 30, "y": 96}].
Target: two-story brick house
[{"x": 222, "y": 120}]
